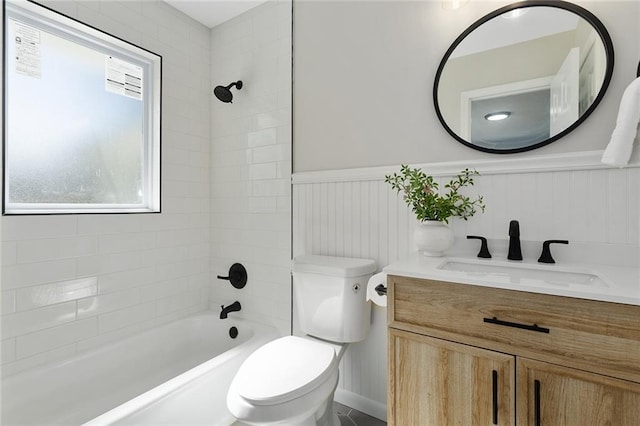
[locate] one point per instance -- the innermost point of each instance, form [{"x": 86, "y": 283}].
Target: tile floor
[{"x": 350, "y": 417}]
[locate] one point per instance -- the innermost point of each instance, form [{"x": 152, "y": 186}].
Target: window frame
[{"x": 60, "y": 25}]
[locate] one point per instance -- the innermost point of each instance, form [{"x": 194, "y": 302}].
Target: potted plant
[{"x": 432, "y": 209}]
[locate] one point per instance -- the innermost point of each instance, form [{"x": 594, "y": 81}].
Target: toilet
[{"x": 292, "y": 380}]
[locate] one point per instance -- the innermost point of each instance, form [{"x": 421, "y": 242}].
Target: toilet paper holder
[
  {"x": 377, "y": 289},
  {"x": 381, "y": 290}
]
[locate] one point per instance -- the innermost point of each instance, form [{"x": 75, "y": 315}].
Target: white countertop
[{"x": 615, "y": 284}]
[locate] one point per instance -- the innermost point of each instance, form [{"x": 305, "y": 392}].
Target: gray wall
[{"x": 364, "y": 72}]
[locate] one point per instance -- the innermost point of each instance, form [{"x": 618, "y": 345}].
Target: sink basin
[{"x": 525, "y": 274}]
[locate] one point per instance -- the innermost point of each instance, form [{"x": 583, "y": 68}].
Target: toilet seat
[{"x": 283, "y": 370}]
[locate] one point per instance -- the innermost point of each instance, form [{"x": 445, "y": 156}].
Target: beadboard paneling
[{"x": 597, "y": 210}]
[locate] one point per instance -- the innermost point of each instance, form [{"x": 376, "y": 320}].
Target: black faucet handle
[
  {"x": 545, "y": 256},
  {"x": 484, "y": 248},
  {"x": 237, "y": 275},
  {"x": 514, "y": 228}
]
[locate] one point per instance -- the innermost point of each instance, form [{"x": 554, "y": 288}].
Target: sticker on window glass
[
  {"x": 123, "y": 78},
  {"x": 28, "y": 54}
]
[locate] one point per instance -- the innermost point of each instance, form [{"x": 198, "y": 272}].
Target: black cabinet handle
[
  {"x": 533, "y": 327},
  {"x": 536, "y": 402},
  {"x": 494, "y": 391}
]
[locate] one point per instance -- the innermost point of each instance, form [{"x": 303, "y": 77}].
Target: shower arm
[{"x": 238, "y": 85}]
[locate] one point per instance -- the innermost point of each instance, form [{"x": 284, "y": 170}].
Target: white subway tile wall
[
  {"x": 72, "y": 282},
  {"x": 251, "y": 163},
  {"x": 597, "y": 210}
]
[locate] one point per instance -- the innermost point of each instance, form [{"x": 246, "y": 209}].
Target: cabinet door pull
[
  {"x": 536, "y": 401},
  {"x": 494, "y": 391},
  {"x": 533, "y": 327}
]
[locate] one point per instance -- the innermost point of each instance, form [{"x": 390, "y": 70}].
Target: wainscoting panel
[{"x": 597, "y": 210}]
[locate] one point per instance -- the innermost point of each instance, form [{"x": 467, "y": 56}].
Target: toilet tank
[{"x": 330, "y": 296}]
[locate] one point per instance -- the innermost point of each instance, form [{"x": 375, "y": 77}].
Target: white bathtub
[{"x": 178, "y": 373}]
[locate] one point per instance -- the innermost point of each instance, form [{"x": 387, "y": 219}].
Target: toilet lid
[{"x": 284, "y": 369}]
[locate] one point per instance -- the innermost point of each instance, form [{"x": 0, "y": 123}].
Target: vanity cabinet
[
  {"x": 550, "y": 394},
  {"x": 437, "y": 382},
  {"x": 470, "y": 355}
]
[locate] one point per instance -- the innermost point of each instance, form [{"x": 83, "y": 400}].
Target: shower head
[{"x": 224, "y": 92}]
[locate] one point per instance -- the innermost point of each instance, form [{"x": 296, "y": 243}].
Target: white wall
[
  {"x": 70, "y": 282},
  {"x": 251, "y": 163},
  {"x": 364, "y": 73}
]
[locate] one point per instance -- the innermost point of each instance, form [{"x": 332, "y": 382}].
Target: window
[{"x": 81, "y": 117}]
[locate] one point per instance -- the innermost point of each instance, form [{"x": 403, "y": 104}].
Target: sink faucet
[
  {"x": 545, "y": 256},
  {"x": 515, "y": 253},
  {"x": 234, "y": 307}
]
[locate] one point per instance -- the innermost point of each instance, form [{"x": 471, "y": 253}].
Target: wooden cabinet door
[
  {"x": 550, "y": 395},
  {"x": 435, "y": 382}
]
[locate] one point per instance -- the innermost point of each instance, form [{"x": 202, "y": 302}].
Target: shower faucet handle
[
  {"x": 484, "y": 248},
  {"x": 237, "y": 275}
]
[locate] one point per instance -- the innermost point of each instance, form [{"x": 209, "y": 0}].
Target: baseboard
[{"x": 368, "y": 406}]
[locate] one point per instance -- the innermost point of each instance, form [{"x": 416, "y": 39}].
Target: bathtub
[{"x": 177, "y": 373}]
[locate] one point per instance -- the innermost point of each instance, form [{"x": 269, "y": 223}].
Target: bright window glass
[{"x": 82, "y": 118}]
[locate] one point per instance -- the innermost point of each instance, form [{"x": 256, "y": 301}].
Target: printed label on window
[
  {"x": 123, "y": 78},
  {"x": 28, "y": 54}
]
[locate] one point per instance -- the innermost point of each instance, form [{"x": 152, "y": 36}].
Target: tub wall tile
[
  {"x": 9, "y": 253},
  {"x": 8, "y": 302},
  {"x": 121, "y": 318},
  {"x": 251, "y": 163},
  {"x": 123, "y": 280},
  {"x": 164, "y": 289},
  {"x": 103, "y": 303},
  {"x": 55, "y": 337},
  {"x": 20, "y": 323},
  {"x": 19, "y": 228},
  {"x": 29, "y": 251},
  {"x": 24, "y": 275},
  {"x": 8, "y": 350},
  {"x": 67, "y": 279},
  {"x": 50, "y": 294}
]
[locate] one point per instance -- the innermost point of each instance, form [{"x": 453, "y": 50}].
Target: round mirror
[{"x": 523, "y": 76}]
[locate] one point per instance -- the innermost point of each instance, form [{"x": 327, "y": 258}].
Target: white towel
[{"x": 620, "y": 146}]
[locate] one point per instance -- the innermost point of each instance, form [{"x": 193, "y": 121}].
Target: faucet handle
[
  {"x": 545, "y": 256},
  {"x": 514, "y": 228},
  {"x": 484, "y": 248},
  {"x": 237, "y": 275}
]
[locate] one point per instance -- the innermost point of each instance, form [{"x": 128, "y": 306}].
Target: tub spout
[{"x": 234, "y": 307}]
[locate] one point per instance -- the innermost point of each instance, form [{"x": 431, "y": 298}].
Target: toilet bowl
[
  {"x": 289, "y": 381},
  {"x": 292, "y": 380}
]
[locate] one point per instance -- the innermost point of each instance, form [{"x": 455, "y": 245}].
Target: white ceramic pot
[{"x": 433, "y": 237}]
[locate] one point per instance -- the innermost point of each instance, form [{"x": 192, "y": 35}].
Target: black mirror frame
[{"x": 578, "y": 10}]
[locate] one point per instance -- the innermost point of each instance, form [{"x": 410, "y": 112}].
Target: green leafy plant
[{"x": 422, "y": 195}]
